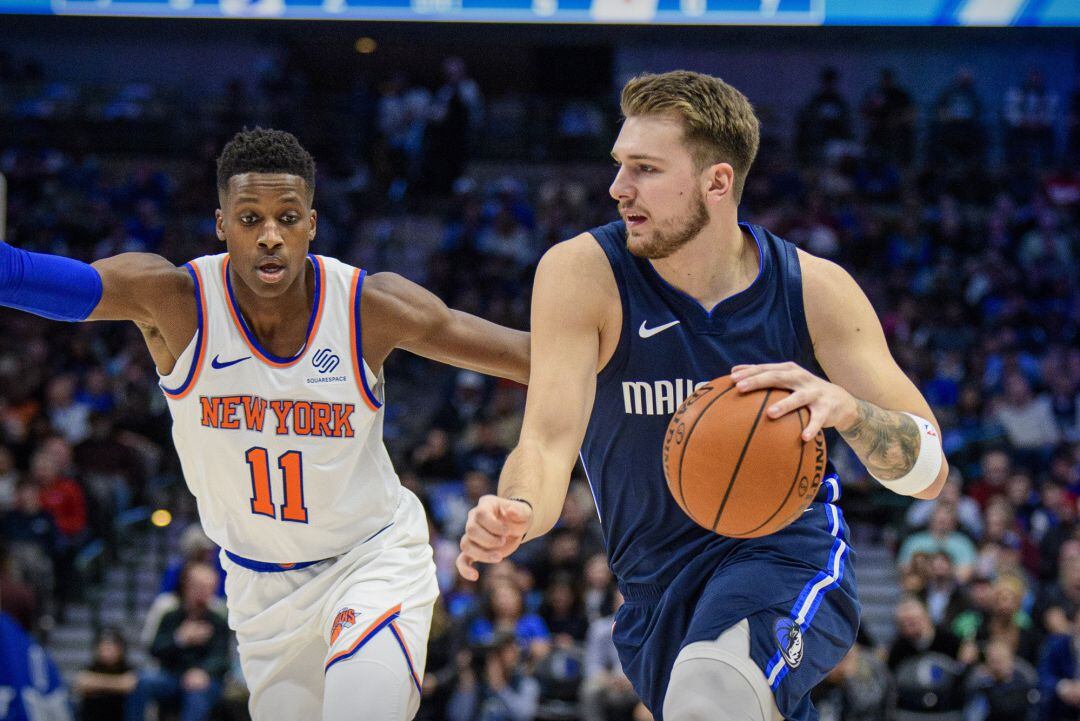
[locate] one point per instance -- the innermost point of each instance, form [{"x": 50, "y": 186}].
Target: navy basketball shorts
[{"x": 796, "y": 588}]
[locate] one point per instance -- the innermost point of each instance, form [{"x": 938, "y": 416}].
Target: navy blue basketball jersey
[
  {"x": 669, "y": 345},
  {"x": 683, "y": 583}
]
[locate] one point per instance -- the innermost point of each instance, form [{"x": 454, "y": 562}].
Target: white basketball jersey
[{"x": 284, "y": 455}]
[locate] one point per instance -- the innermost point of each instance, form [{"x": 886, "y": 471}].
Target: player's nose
[
  {"x": 270, "y": 237},
  {"x": 620, "y": 188}
]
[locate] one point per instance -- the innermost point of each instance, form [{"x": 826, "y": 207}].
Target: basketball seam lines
[
  {"x": 738, "y": 464},
  {"x": 686, "y": 444},
  {"x": 790, "y": 488}
]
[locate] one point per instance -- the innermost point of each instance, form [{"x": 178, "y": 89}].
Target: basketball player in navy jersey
[{"x": 626, "y": 319}]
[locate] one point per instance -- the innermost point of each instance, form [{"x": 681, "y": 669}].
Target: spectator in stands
[
  {"x": 192, "y": 646},
  {"x": 8, "y": 478},
  {"x": 17, "y": 598},
  {"x": 942, "y": 594},
  {"x": 1072, "y": 155},
  {"x": 600, "y": 593},
  {"x": 1030, "y": 115},
  {"x": 1004, "y": 688},
  {"x": 69, "y": 416},
  {"x": 108, "y": 681},
  {"x": 860, "y": 688},
  {"x": 63, "y": 499},
  {"x": 31, "y": 537},
  {"x": 402, "y": 118},
  {"x": 456, "y": 112},
  {"x": 1059, "y": 684},
  {"x": 464, "y": 403},
  {"x": 825, "y": 118},
  {"x": 958, "y": 130},
  {"x": 494, "y": 685},
  {"x": 890, "y": 119},
  {"x": 1007, "y": 622},
  {"x": 968, "y": 513},
  {"x": 1028, "y": 419},
  {"x": 942, "y": 535},
  {"x": 434, "y": 459},
  {"x": 928, "y": 662},
  {"x": 563, "y": 611},
  {"x": 445, "y": 644},
  {"x": 112, "y": 466},
  {"x": 505, "y": 612},
  {"x": 483, "y": 451},
  {"x": 996, "y": 467},
  {"x": 1060, "y": 600},
  {"x": 606, "y": 693}
]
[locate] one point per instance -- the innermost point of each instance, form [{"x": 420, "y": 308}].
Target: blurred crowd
[{"x": 960, "y": 221}]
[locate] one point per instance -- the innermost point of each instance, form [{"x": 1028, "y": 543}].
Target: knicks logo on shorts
[
  {"x": 789, "y": 639},
  {"x": 346, "y": 618}
]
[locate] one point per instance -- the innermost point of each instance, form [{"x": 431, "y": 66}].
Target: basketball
[{"x": 733, "y": 469}]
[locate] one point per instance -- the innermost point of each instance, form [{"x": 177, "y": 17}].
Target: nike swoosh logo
[
  {"x": 650, "y": 332},
  {"x": 218, "y": 364}
]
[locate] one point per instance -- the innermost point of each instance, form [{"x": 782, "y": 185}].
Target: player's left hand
[{"x": 829, "y": 405}]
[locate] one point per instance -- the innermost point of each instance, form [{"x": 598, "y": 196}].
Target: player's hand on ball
[
  {"x": 493, "y": 531},
  {"x": 829, "y": 404}
]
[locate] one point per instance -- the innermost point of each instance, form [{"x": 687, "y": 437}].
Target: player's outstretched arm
[
  {"x": 140, "y": 287},
  {"x": 567, "y": 313},
  {"x": 870, "y": 401},
  {"x": 411, "y": 317}
]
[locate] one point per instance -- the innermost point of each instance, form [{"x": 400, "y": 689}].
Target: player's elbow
[
  {"x": 934, "y": 489},
  {"x": 521, "y": 351}
]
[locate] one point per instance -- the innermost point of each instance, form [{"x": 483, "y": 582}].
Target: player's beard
[{"x": 662, "y": 242}]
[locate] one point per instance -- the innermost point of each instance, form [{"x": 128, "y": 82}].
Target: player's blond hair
[{"x": 719, "y": 124}]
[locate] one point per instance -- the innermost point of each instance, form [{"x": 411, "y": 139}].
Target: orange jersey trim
[
  {"x": 356, "y": 343},
  {"x": 201, "y": 353}
]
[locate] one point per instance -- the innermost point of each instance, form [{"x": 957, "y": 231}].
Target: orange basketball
[{"x": 733, "y": 469}]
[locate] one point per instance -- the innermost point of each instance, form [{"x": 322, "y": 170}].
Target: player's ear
[
  {"x": 219, "y": 224},
  {"x": 720, "y": 180},
  {"x": 312, "y": 221}
]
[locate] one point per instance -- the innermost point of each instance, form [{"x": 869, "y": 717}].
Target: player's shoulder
[
  {"x": 580, "y": 255},
  {"x": 824, "y": 281},
  {"x": 153, "y": 273},
  {"x": 576, "y": 275},
  {"x": 388, "y": 292}
]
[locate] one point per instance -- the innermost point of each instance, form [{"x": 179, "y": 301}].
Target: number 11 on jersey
[{"x": 292, "y": 472}]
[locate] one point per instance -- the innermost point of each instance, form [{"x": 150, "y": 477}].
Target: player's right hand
[{"x": 494, "y": 530}]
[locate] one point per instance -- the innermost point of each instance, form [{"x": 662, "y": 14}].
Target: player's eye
[
  {"x": 248, "y": 219},
  {"x": 290, "y": 218},
  {"x": 647, "y": 168}
]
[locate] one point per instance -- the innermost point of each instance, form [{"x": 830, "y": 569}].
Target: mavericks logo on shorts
[
  {"x": 346, "y": 618},
  {"x": 789, "y": 639}
]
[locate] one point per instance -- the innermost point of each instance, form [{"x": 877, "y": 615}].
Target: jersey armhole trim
[
  {"x": 797, "y": 307},
  {"x": 200, "y": 336},
  {"x": 356, "y": 341},
  {"x": 622, "y": 349}
]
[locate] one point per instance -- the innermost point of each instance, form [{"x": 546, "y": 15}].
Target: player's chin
[{"x": 645, "y": 247}]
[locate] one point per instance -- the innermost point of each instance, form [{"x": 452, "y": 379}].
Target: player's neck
[
  {"x": 279, "y": 323},
  {"x": 718, "y": 263}
]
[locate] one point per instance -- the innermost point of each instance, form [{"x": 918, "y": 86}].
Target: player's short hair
[
  {"x": 719, "y": 124},
  {"x": 264, "y": 150}
]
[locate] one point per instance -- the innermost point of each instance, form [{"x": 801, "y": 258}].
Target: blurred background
[{"x": 939, "y": 164}]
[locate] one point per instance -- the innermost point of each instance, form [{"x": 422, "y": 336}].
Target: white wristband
[{"x": 927, "y": 465}]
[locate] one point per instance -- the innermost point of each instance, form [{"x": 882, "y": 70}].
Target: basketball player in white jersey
[{"x": 270, "y": 358}]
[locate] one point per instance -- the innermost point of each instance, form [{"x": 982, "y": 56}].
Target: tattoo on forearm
[{"x": 886, "y": 441}]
